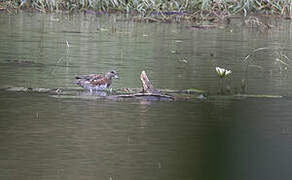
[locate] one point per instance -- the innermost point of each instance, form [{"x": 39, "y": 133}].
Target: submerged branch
[{"x": 177, "y": 95}]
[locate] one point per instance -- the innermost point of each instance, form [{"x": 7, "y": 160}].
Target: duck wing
[
  {"x": 90, "y": 77},
  {"x": 99, "y": 81}
]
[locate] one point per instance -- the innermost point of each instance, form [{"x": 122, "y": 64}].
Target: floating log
[
  {"x": 127, "y": 93},
  {"x": 203, "y": 26},
  {"x": 147, "y": 96}
]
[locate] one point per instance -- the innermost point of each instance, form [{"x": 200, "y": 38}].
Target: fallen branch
[
  {"x": 148, "y": 91},
  {"x": 146, "y": 84}
]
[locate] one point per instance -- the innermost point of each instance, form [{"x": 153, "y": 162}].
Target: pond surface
[{"x": 43, "y": 137}]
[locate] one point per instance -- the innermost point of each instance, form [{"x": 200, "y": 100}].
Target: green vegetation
[{"x": 146, "y": 7}]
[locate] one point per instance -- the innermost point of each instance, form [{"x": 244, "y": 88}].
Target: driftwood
[
  {"x": 148, "y": 91},
  {"x": 203, "y": 26},
  {"x": 131, "y": 93},
  {"x": 147, "y": 96},
  {"x": 146, "y": 84}
]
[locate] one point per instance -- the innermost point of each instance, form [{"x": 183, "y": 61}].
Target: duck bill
[{"x": 116, "y": 77}]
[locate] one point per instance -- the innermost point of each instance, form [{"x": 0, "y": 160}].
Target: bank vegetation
[{"x": 189, "y": 9}]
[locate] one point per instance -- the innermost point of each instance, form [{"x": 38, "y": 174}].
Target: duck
[{"x": 97, "y": 82}]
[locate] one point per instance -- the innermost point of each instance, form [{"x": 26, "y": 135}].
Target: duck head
[{"x": 112, "y": 74}]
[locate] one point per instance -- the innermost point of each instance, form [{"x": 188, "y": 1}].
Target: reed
[{"x": 144, "y": 7}]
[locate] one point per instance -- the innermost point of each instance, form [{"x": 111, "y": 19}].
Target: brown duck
[{"x": 96, "y": 82}]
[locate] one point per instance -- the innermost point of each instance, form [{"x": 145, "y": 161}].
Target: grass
[{"x": 218, "y": 8}]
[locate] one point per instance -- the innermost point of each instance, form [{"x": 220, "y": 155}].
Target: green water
[{"x": 43, "y": 137}]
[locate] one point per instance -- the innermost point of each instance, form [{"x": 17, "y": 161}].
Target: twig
[
  {"x": 67, "y": 44},
  {"x": 260, "y": 49},
  {"x": 282, "y": 62}
]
